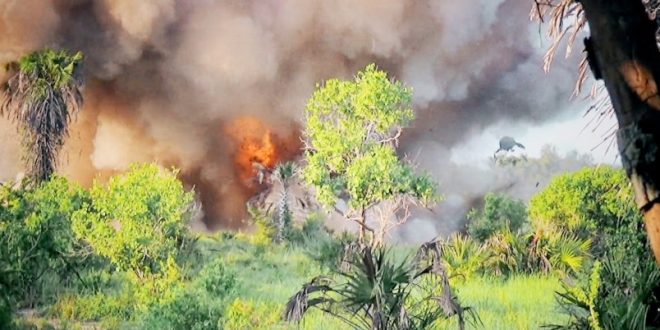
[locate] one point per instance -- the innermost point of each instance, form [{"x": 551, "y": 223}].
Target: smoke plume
[{"x": 211, "y": 86}]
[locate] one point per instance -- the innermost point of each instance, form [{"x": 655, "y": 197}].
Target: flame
[{"x": 258, "y": 149}]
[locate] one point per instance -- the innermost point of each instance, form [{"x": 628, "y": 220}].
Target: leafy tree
[
  {"x": 139, "y": 222},
  {"x": 352, "y": 128},
  {"x": 36, "y": 236},
  {"x": 622, "y": 51},
  {"x": 42, "y": 96},
  {"x": 597, "y": 203},
  {"x": 590, "y": 203},
  {"x": 500, "y": 213}
]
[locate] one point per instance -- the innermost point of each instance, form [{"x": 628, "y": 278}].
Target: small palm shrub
[
  {"x": 507, "y": 253},
  {"x": 380, "y": 292},
  {"x": 464, "y": 257}
]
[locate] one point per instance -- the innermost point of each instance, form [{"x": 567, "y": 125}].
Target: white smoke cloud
[{"x": 165, "y": 76}]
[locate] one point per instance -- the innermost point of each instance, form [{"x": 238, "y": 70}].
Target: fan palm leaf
[{"x": 42, "y": 96}]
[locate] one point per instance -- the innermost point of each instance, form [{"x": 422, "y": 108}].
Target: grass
[
  {"x": 267, "y": 277},
  {"x": 520, "y": 302}
]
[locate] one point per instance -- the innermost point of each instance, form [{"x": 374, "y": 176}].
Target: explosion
[
  {"x": 218, "y": 88},
  {"x": 259, "y": 150}
]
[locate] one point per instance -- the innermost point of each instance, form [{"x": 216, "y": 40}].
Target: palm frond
[
  {"x": 300, "y": 303},
  {"x": 42, "y": 96}
]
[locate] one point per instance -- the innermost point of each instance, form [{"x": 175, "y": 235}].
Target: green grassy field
[
  {"x": 271, "y": 277},
  {"x": 267, "y": 276}
]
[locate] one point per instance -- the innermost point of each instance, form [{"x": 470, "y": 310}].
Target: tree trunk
[
  {"x": 622, "y": 51},
  {"x": 363, "y": 226}
]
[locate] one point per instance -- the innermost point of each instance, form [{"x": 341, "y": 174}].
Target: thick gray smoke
[{"x": 170, "y": 80}]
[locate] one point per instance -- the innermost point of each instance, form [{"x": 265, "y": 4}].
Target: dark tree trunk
[
  {"x": 622, "y": 51},
  {"x": 363, "y": 225}
]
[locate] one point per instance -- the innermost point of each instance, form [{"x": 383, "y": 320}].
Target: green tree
[
  {"x": 36, "y": 236},
  {"x": 139, "y": 222},
  {"x": 590, "y": 203},
  {"x": 42, "y": 96},
  {"x": 352, "y": 129},
  {"x": 500, "y": 212},
  {"x": 597, "y": 204}
]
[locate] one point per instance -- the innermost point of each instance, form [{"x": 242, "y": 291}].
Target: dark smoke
[{"x": 166, "y": 77}]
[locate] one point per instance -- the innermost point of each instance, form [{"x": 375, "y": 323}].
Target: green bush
[
  {"x": 597, "y": 203},
  {"x": 36, "y": 236},
  {"x": 247, "y": 314},
  {"x": 217, "y": 280},
  {"x": 500, "y": 213},
  {"x": 96, "y": 307},
  {"x": 189, "y": 310},
  {"x": 138, "y": 220},
  {"x": 507, "y": 253},
  {"x": 5, "y": 313},
  {"x": 590, "y": 203},
  {"x": 464, "y": 257}
]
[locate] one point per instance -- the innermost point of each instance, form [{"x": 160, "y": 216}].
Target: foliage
[
  {"x": 42, "y": 96},
  {"x": 110, "y": 308},
  {"x": 5, "y": 313},
  {"x": 590, "y": 201},
  {"x": 580, "y": 303},
  {"x": 598, "y": 203},
  {"x": 189, "y": 309},
  {"x": 138, "y": 221},
  {"x": 500, "y": 213},
  {"x": 36, "y": 235},
  {"x": 217, "y": 280},
  {"x": 265, "y": 229},
  {"x": 378, "y": 292},
  {"x": 507, "y": 253},
  {"x": 248, "y": 314},
  {"x": 352, "y": 128},
  {"x": 463, "y": 256}
]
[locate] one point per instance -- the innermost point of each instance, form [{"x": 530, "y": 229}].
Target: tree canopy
[
  {"x": 42, "y": 96},
  {"x": 352, "y": 129}
]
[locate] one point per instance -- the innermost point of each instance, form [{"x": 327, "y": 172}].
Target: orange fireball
[{"x": 258, "y": 149}]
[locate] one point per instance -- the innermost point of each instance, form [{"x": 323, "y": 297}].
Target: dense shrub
[
  {"x": 247, "y": 314},
  {"x": 189, "y": 310},
  {"x": 598, "y": 203},
  {"x": 590, "y": 203},
  {"x": 500, "y": 213},
  {"x": 507, "y": 253},
  {"x": 107, "y": 307},
  {"x": 138, "y": 220},
  {"x": 5, "y": 313},
  {"x": 464, "y": 257},
  {"x": 217, "y": 280},
  {"x": 36, "y": 236}
]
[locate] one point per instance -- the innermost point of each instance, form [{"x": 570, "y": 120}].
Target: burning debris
[{"x": 507, "y": 144}]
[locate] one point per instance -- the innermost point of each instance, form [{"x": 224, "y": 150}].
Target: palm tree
[
  {"x": 42, "y": 96},
  {"x": 284, "y": 173},
  {"x": 379, "y": 292}
]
